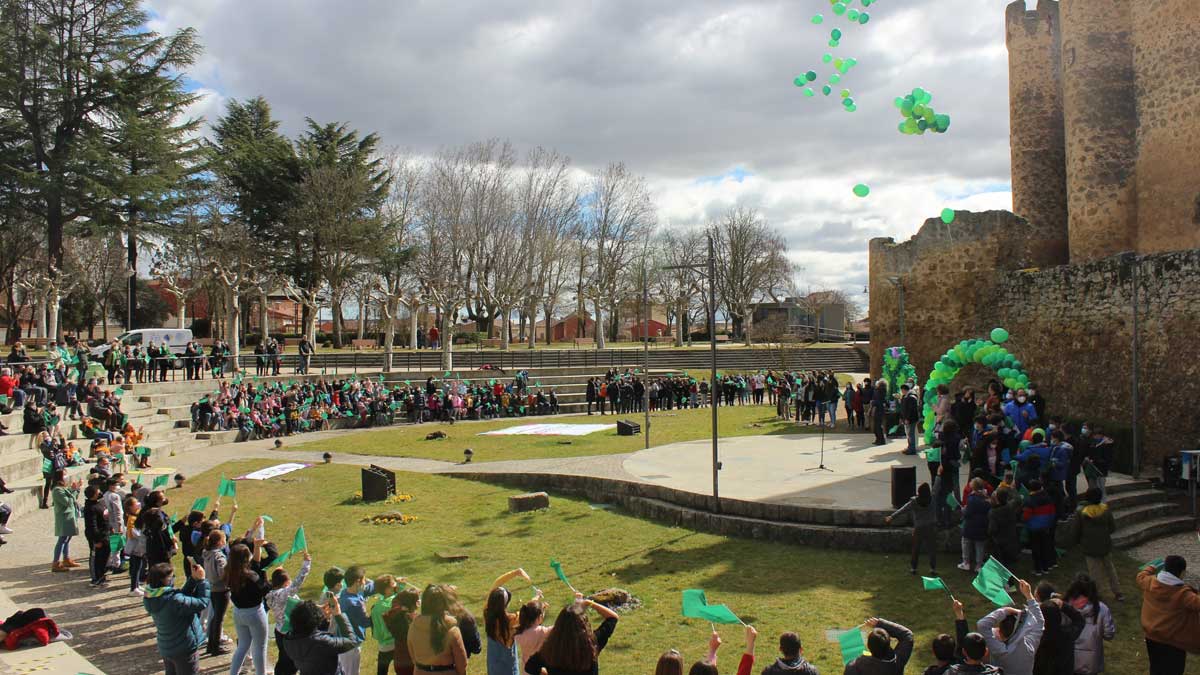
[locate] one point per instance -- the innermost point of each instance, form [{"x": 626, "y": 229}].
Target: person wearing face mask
[
  {"x": 176, "y": 614},
  {"x": 1036, "y": 400},
  {"x": 1021, "y": 412}
]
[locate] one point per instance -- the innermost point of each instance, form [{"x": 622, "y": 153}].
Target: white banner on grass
[
  {"x": 273, "y": 471},
  {"x": 550, "y": 430}
]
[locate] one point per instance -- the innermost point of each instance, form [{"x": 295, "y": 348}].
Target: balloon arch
[{"x": 989, "y": 353}]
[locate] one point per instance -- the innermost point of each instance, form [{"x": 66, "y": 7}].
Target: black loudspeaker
[
  {"x": 904, "y": 485},
  {"x": 377, "y": 483},
  {"x": 1172, "y": 472},
  {"x": 627, "y": 428}
]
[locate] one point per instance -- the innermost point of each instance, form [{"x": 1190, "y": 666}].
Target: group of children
[{"x": 273, "y": 409}]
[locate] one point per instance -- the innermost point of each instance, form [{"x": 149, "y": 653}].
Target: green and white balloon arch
[{"x": 989, "y": 353}]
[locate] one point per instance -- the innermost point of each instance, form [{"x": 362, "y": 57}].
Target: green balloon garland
[{"x": 989, "y": 353}]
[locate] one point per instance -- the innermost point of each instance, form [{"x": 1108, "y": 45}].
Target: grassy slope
[
  {"x": 668, "y": 427},
  {"x": 774, "y": 586}
]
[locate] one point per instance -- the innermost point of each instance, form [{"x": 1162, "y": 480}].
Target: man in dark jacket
[
  {"x": 312, "y": 650},
  {"x": 95, "y": 528},
  {"x": 885, "y": 659},
  {"x": 791, "y": 660},
  {"x": 591, "y": 394},
  {"x": 176, "y": 613},
  {"x": 879, "y": 410}
]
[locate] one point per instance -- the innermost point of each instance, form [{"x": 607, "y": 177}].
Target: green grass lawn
[
  {"x": 774, "y": 586},
  {"x": 667, "y": 427}
]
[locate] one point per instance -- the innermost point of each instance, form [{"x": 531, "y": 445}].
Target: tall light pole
[
  {"x": 646, "y": 355},
  {"x": 710, "y": 270}
]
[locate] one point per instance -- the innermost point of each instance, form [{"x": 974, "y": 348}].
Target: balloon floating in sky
[
  {"x": 862, "y": 190},
  {"x": 818, "y": 19},
  {"x": 919, "y": 116},
  {"x": 947, "y": 216},
  {"x": 839, "y": 8}
]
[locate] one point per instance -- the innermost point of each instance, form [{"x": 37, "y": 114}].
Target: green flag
[
  {"x": 695, "y": 606},
  {"x": 1157, "y": 564},
  {"x": 933, "y": 454},
  {"x": 200, "y": 504},
  {"x": 299, "y": 542},
  {"x": 160, "y": 481},
  {"x": 227, "y": 488},
  {"x": 952, "y": 500},
  {"x": 991, "y": 582},
  {"x": 558, "y": 571},
  {"x": 118, "y": 392},
  {"x": 116, "y": 542},
  {"x": 934, "y": 583},
  {"x": 852, "y": 645}
]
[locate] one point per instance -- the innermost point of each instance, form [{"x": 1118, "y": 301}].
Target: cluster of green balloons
[
  {"x": 919, "y": 116},
  {"x": 843, "y": 8},
  {"x": 897, "y": 369},
  {"x": 989, "y": 353},
  {"x": 843, "y": 66}
]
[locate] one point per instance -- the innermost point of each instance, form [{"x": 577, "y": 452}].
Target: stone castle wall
[{"x": 1071, "y": 326}]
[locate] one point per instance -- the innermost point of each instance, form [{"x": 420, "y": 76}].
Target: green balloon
[
  {"x": 811, "y": 75},
  {"x": 852, "y": 14},
  {"x": 833, "y": 43},
  {"x": 839, "y": 8},
  {"x": 835, "y": 78},
  {"x": 827, "y": 58},
  {"x": 999, "y": 335},
  {"x": 836, "y": 34},
  {"x": 899, "y": 102},
  {"x": 809, "y": 93},
  {"x": 799, "y": 81},
  {"x": 848, "y": 102},
  {"x": 851, "y": 108},
  {"x": 947, "y": 216},
  {"x": 862, "y": 190},
  {"x": 863, "y": 17},
  {"x": 818, "y": 19},
  {"x": 845, "y": 93},
  {"x": 827, "y": 90},
  {"x": 918, "y": 94}
]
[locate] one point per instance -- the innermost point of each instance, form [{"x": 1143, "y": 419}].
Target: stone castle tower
[{"x": 1105, "y": 123}]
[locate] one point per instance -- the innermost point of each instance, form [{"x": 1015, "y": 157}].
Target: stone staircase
[{"x": 1143, "y": 512}]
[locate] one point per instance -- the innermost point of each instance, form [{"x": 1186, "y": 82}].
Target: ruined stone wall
[
  {"x": 1100, "y": 120},
  {"x": 1072, "y": 328},
  {"x": 1166, "y": 61},
  {"x": 947, "y": 272},
  {"x": 1039, "y": 180}
]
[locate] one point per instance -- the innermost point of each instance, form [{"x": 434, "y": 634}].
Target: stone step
[
  {"x": 1137, "y": 533},
  {"x": 1134, "y": 485},
  {"x": 1127, "y": 516},
  {"x": 1132, "y": 498}
]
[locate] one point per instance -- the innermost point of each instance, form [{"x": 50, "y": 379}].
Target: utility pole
[
  {"x": 712, "y": 342},
  {"x": 646, "y": 354}
]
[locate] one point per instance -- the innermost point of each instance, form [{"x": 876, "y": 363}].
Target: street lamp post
[
  {"x": 710, "y": 270},
  {"x": 646, "y": 355}
]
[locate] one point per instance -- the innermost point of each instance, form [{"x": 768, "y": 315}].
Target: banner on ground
[
  {"x": 550, "y": 430},
  {"x": 273, "y": 471}
]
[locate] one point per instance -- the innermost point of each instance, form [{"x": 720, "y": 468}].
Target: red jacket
[
  {"x": 41, "y": 631},
  {"x": 7, "y": 384}
]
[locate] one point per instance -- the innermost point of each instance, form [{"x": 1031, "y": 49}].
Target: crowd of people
[{"x": 270, "y": 409}]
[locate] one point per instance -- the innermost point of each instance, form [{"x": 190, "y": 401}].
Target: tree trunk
[
  {"x": 505, "y": 327},
  {"x": 447, "y": 338},
  {"x": 336, "y": 308},
  {"x": 413, "y": 311},
  {"x": 747, "y": 326},
  {"x": 264, "y": 317},
  {"x": 549, "y": 310},
  {"x": 599, "y": 325},
  {"x": 39, "y": 317},
  {"x": 131, "y": 260},
  {"x": 389, "y": 331},
  {"x": 233, "y": 307},
  {"x": 52, "y": 303},
  {"x": 680, "y": 318},
  {"x": 362, "y": 316},
  {"x": 181, "y": 320},
  {"x": 310, "y": 323}
]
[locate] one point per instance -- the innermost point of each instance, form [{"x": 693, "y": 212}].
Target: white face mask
[
  {"x": 1032, "y": 392},
  {"x": 1020, "y": 399}
]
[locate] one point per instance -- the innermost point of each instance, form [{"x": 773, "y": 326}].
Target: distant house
[
  {"x": 651, "y": 328},
  {"x": 809, "y": 316},
  {"x": 568, "y": 328}
]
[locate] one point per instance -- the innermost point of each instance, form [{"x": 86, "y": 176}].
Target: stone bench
[{"x": 530, "y": 501}]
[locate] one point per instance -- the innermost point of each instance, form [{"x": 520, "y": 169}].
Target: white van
[{"x": 176, "y": 338}]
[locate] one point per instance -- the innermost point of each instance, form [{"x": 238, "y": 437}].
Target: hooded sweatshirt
[
  {"x": 214, "y": 568},
  {"x": 1015, "y": 655},
  {"x": 1098, "y": 627},
  {"x": 891, "y": 664},
  {"x": 1094, "y": 530},
  {"x": 1170, "y": 611},
  {"x": 176, "y": 614},
  {"x": 797, "y": 666},
  {"x": 318, "y": 652}
]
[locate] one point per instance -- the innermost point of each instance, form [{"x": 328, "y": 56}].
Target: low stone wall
[{"x": 850, "y": 529}]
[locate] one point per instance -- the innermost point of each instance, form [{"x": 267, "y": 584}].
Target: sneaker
[
  {"x": 4, "y": 529},
  {"x": 225, "y": 639},
  {"x": 136, "y": 591},
  {"x": 964, "y": 567}
]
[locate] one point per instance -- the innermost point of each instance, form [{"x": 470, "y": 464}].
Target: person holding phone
[{"x": 176, "y": 614}]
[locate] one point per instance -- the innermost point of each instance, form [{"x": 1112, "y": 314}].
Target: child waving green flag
[
  {"x": 227, "y": 488},
  {"x": 991, "y": 582},
  {"x": 160, "y": 481},
  {"x": 852, "y": 645},
  {"x": 200, "y": 504}
]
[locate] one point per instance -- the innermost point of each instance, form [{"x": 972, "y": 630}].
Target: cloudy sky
[{"x": 697, "y": 96}]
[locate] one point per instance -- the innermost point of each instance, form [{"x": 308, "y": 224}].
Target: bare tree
[
  {"x": 752, "y": 264},
  {"x": 548, "y": 204},
  {"x": 679, "y": 248},
  {"x": 96, "y": 261},
  {"x": 392, "y": 264},
  {"x": 619, "y": 214},
  {"x": 443, "y": 240}
]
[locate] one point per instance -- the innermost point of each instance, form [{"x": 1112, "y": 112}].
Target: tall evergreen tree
[{"x": 70, "y": 71}]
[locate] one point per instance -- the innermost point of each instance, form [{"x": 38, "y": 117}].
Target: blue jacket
[
  {"x": 176, "y": 614},
  {"x": 1013, "y": 411},
  {"x": 1039, "y": 450},
  {"x": 1038, "y": 512},
  {"x": 354, "y": 606},
  {"x": 975, "y": 517},
  {"x": 1060, "y": 461}
]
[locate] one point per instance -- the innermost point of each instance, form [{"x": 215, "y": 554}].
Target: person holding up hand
[
  {"x": 1013, "y": 635},
  {"x": 573, "y": 648},
  {"x": 310, "y": 648},
  {"x": 176, "y": 614}
]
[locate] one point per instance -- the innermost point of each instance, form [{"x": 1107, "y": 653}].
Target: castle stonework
[{"x": 1105, "y": 139}]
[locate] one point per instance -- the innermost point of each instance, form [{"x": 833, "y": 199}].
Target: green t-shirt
[{"x": 378, "y": 628}]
